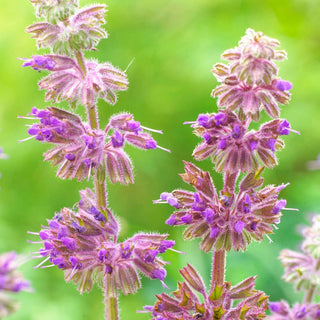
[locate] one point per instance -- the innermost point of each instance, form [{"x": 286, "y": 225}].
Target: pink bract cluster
[
  {"x": 80, "y": 150},
  {"x": 84, "y": 244}
]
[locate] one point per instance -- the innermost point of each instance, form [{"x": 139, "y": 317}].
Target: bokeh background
[{"x": 174, "y": 44}]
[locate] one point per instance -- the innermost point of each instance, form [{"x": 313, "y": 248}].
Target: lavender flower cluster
[{"x": 243, "y": 210}]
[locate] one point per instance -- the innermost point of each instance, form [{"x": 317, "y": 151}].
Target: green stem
[
  {"x": 218, "y": 268},
  {"x": 111, "y": 299},
  {"x": 310, "y": 293},
  {"x": 110, "y": 294}
]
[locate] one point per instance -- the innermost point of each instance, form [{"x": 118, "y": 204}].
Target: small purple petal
[
  {"x": 75, "y": 263},
  {"x": 220, "y": 119},
  {"x": 151, "y": 144},
  {"x": 204, "y": 120},
  {"x": 126, "y": 251},
  {"x": 172, "y": 220},
  {"x": 172, "y": 201},
  {"x": 222, "y": 144},
  {"x": 275, "y": 307},
  {"x": 79, "y": 228},
  {"x": 279, "y": 206},
  {"x": 34, "y": 130},
  {"x": 271, "y": 144},
  {"x": 117, "y": 140},
  {"x": 283, "y": 85},
  {"x": 284, "y": 127},
  {"x": 207, "y": 137},
  {"x": 44, "y": 235},
  {"x": 70, "y": 156},
  {"x": 69, "y": 243},
  {"x": 301, "y": 313},
  {"x": 165, "y": 245},
  {"x": 133, "y": 126},
  {"x": 238, "y": 226},
  {"x": 150, "y": 255},
  {"x": 214, "y": 232},
  {"x": 253, "y": 145},
  {"x": 53, "y": 224},
  {"x": 164, "y": 195},
  {"x": 158, "y": 274},
  {"x": 236, "y": 132},
  {"x": 208, "y": 214},
  {"x": 187, "y": 218}
]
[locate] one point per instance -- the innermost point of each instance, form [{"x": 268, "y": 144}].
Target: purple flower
[
  {"x": 248, "y": 216},
  {"x": 83, "y": 246},
  {"x": 231, "y": 148},
  {"x": 283, "y": 85},
  {"x": 40, "y": 62}
]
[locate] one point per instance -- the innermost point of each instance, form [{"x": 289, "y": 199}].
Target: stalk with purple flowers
[
  {"x": 244, "y": 210},
  {"x": 82, "y": 241}
]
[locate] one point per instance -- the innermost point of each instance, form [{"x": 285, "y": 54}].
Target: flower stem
[
  {"x": 110, "y": 299},
  {"x": 308, "y": 298},
  {"x": 218, "y": 268}
]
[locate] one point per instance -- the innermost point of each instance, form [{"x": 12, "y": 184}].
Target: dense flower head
[
  {"x": 227, "y": 221},
  {"x": 250, "y": 81},
  {"x": 282, "y": 311},
  {"x": 67, "y": 80},
  {"x": 80, "y": 31},
  {"x": 54, "y": 10},
  {"x": 217, "y": 304},
  {"x": 83, "y": 243},
  {"x": 232, "y": 147},
  {"x": 79, "y": 150},
  {"x": 11, "y": 281}
]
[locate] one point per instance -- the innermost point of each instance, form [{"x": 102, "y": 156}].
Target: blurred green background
[{"x": 174, "y": 43}]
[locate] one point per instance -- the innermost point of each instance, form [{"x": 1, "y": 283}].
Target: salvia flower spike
[
  {"x": 83, "y": 241},
  {"x": 243, "y": 210}
]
